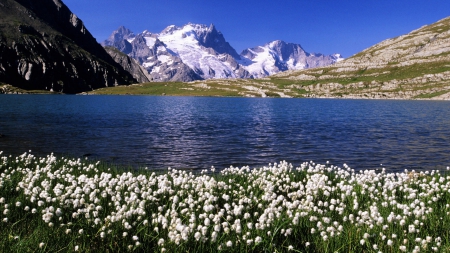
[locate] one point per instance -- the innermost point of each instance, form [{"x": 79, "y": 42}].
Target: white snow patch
[
  {"x": 184, "y": 43},
  {"x": 262, "y": 65},
  {"x": 156, "y": 69},
  {"x": 148, "y": 64},
  {"x": 150, "y": 41},
  {"x": 161, "y": 49},
  {"x": 165, "y": 59}
]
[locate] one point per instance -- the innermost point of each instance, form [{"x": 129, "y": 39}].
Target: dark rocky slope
[{"x": 44, "y": 46}]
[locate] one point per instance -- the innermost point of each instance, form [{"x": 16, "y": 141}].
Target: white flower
[
  {"x": 197, "y": 236},
  {"x": 214, "y": 236},
  {"x": 41, "y": 245},
  {"x": 229, "y": 244}
]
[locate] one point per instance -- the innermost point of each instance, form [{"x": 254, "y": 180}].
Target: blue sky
[{"x": 321, "y": 26}]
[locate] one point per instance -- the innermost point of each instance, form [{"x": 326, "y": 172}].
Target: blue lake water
[{"x": 200, "y": 132}]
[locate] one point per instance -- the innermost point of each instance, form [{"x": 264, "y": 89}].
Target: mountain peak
[
  {"x": 211, "y": 28},
  {"x": 122, "y": 33},
  {"x": 170, "y": 29}
]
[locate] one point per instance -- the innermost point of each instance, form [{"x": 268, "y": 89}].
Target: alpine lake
[{"x": 197, "y": 133}]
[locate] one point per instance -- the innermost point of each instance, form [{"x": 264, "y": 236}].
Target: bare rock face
[
  {"x": 130, "y": 65},
  {"x": 44, "y": 46},
  {"x": 212, "y": 38}
]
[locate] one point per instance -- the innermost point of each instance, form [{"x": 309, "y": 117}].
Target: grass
[
  {"x": 165, "y": 88},
  {"x": 56, "y": 204},
  {"x": 14, "y": 90}
]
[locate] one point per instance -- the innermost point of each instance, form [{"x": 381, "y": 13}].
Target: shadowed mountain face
[{"x": 44, "y": 46}]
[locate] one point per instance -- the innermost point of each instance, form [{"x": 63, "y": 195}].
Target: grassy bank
[
  {"x": 166, "y": 89},
  {"x": 55, "y": 204}
]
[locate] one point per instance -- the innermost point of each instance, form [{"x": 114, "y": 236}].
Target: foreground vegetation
[{"x": 51, "y": 204}]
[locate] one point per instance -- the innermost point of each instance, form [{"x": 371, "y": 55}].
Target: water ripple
[{"x": 197, "y": 133}]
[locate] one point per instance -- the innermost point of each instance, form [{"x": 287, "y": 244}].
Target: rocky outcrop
[
  {"x": 130, "y": 65},
  {"x": 44, "y": 46},
  {"x": 212, "y": 38}
]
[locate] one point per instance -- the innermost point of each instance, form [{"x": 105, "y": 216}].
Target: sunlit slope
[
  {"x": 415, "y": 65},
  {"x": 412, "y": 66}
]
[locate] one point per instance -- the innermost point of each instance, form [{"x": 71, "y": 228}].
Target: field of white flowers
[{"x": 51, "y": 204}]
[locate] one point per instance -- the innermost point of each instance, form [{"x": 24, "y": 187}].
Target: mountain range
[{"x": 197, "y": 52}]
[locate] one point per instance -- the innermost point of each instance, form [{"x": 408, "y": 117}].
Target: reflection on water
[{"x": 195, "y": 132}]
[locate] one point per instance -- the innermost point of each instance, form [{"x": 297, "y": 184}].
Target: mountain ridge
[{"x": 204, "y": 50}]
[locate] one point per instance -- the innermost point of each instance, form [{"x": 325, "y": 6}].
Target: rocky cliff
[
  {"x": 129, "y": 64},
  {"x": 44, "y": 46}
]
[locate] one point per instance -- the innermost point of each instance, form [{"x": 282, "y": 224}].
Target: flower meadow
[{"x": 51, "y": 204}]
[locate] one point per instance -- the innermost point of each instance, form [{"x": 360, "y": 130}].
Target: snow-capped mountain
[
  {"x": 195, "y": 52},
  {"x": 278, "y": 56}
]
